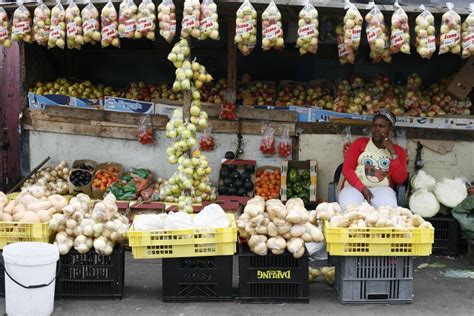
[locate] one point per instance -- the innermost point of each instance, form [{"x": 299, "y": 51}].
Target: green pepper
[
  {"x": 293, "y": 175},
  {"x": 306, "y": 175}
]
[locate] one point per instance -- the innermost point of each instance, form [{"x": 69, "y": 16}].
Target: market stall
[{"x": 202, "y": 107}]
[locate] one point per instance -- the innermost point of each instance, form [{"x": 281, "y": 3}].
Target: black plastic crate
[
  {"x": 91, "y": 276},
  {"x": 272, "y": 278},
  {"x": 374, "y": 280},
  {"x": 446, "y": 235},
  {"x": 197, "y": 279}
]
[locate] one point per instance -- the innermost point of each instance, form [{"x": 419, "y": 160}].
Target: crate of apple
[
  {"x": 291, "y": 93},
  {"x": 213, "y": 92},
  {"x": 257, "y": 93}
]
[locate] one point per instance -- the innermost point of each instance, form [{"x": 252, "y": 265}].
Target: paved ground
[{"x": 435, "y": 294}]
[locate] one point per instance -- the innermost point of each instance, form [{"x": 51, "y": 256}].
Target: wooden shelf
[{"x": 119, "y": 125}]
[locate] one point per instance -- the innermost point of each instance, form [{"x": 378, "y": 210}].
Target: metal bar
[{"x": 32, "y": 172}]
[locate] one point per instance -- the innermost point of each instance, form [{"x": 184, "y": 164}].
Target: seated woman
[{"x": 373, "y": 165}]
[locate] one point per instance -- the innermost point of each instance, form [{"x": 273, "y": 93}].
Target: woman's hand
[
  {"x": 367, "y": 194},
  {"x": 388, "y": 144}
]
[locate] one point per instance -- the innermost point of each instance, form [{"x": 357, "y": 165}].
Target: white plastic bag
[
  {"x": 190, "y": 22},
  {"x": 272, "y": 28},
  {"x": 74, "y": 37},
  {"x": 57, "y": 33},
  {"x": 424, "y": 203},
  {"x": 349, "y": 36},
  {"x": 148, "y": 222},
  {"x": 4, "y": 29},
  {"x": 109, "y": 26},
  {"x": 246, "y": 28},
  {"x": 21, "y": 25},
  {"x": 450, "y": 32},
  {"x": 451, "y": 192},
  {"x": 308, "y": 32},
  {"x": 41, "y": 23},
  {"x": 400, "y": 36},
  {"x": 146, "y": 20},
  {"x": 377, "y": 35},
  {"x": 90, "y": 23},
  {"x": 127, "y": 19},
  {"x": 178, "y": 220},
  {"x": 468, "y": 34},
  {"x": 425, "y": 33},
  {"x": 211, "y": 216},
  {"x": 209, "y": 23},
  {"x": 167, "y": 20}
]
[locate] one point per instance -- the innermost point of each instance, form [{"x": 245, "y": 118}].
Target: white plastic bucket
[{"x": 30, "y": 275}]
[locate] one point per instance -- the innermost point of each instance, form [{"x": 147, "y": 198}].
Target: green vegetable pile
[
  {"x": 131, "y": 184},
  {"x": 298, "y": 185}
]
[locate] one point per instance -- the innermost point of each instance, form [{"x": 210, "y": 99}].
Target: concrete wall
[
  {"x": 326, "y": 149},
  {"x": 132, "y": 153}
]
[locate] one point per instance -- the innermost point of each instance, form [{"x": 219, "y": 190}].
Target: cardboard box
[
  {"x": 301, "y": 166},
  {"x": 86, "y": 189},
  {"x": 165, "y": 109},
  {"x": 97, "y": 194},
  {"x": 320, "y": 115},
  {"x": 39, "y": 102},
  {"x": 268, "y": 168},
  {"x": 84, "y": 103},
  {"x": 138, "y": 208},
  {"x": 463, "y": 82},
  {"x": 240, "y": 164},
  {"x": 128, "y": 106}
]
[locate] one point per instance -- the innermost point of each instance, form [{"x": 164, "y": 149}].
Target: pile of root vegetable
[
  {"x": 277, "y": 227},
  {"x": 84, "y": 227},
  {"x": 365, "y": 215}
]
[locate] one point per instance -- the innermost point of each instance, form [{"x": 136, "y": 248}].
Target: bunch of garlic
[
  {"x": 274, "y": 226},
  {"x": 84, "y": 228},
  {"x": 365, "y": 215}
]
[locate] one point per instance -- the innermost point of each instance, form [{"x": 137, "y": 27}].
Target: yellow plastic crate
[
  {"x": 372, "y": 241},
  {"x": 183, "y": 236},
  {"x": 184, "y": 251},
  {"x": 18, "y": 232},
  {"x": 6, "y": 241}
]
